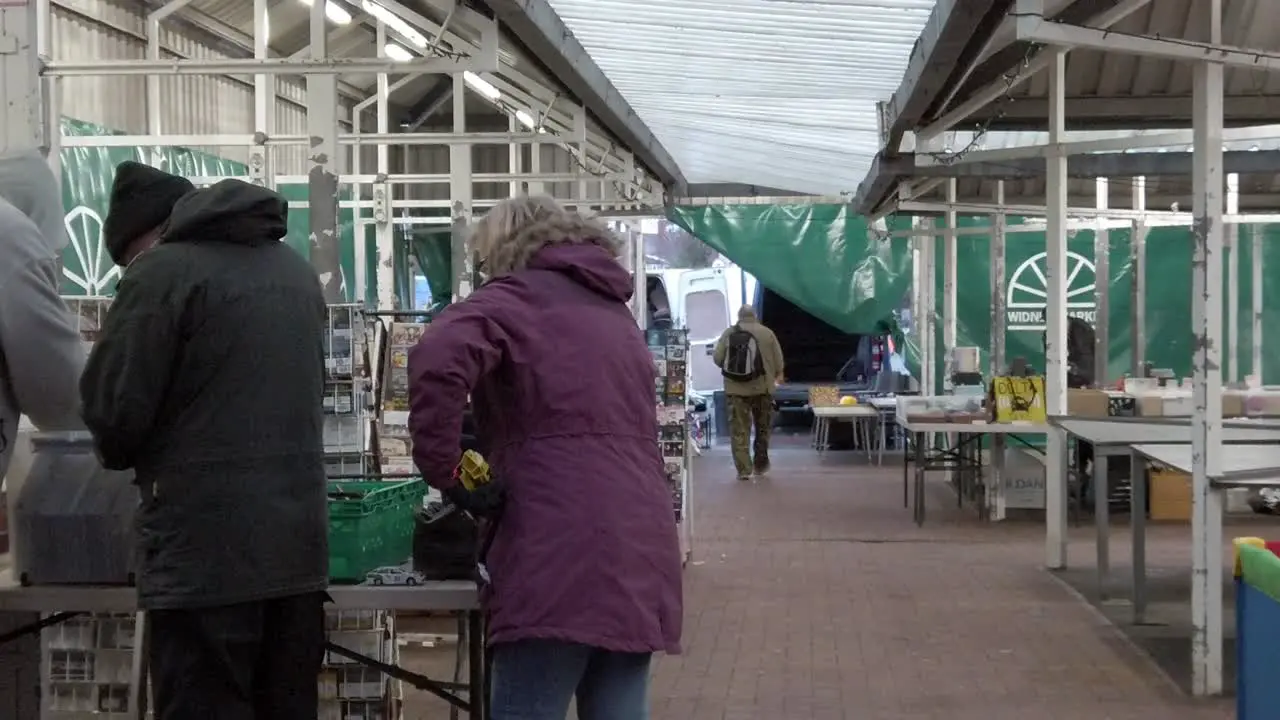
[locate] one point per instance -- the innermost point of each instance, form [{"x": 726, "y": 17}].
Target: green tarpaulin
[
  {"x": 821, "y": 258},
  {"x": 432, "y": 249}
]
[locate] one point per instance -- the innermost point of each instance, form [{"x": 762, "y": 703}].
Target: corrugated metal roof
[{"x": 779, "y": 93}]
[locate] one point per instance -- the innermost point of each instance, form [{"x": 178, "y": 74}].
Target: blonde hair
[{"x": 514, "y": 230}]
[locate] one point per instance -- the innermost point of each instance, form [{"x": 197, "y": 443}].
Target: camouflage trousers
[{"x": 746, "y": 411}]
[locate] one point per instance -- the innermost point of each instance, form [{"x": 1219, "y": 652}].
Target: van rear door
[{"x": 704, "y": 310}]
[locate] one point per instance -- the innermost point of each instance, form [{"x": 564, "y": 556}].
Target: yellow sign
[{"x": 1018, "y": 399}]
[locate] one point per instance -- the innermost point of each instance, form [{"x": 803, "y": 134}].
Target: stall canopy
[{"x": 775, "y": 93}]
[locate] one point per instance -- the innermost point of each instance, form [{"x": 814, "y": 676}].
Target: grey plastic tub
[{"x": 73, "y": 519}]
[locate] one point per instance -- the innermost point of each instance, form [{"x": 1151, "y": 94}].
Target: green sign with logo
[
  {"x": 87, "y": 174},
  {"x": 1167, "y": 340}
]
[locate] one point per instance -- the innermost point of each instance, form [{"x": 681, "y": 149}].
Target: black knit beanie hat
[{"x": 141, "y": 199}]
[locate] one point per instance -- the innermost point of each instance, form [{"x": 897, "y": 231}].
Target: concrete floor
[{"x": 813, "y": 595}]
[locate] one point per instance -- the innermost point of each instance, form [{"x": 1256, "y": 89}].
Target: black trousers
[{"x": 252, "y": 661}]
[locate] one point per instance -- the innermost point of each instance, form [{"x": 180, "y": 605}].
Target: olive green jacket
[{"x": 770, "y": 354}]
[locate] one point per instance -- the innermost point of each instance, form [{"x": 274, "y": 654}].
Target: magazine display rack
[
  {"x": 346, "y": 416},
  {"x": 89, "y": 667},
  {"x": 394, "y": 443},
  {"x": 670, "y": 350}
]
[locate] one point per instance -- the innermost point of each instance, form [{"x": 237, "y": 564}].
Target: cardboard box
[
  {"x": 1170, "y": 496},
  {"x": 1022, "y": 480},
  {"x": 1088, "y": 403},
  {"x": 1018, "y": 399}
]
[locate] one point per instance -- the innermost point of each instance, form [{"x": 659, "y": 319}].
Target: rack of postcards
[
  {"x": 395, "y": 450},
  {"x": 670, "y": 350},
  {"x": 347, "y": 416}
]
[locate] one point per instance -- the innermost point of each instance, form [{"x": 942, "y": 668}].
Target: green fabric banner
[
  {"x": 87, "y": 174},
  {"x": 820, "y": 257},
  {"x": 432, "y": 249},
  {"x": 1168, "y": 339}
]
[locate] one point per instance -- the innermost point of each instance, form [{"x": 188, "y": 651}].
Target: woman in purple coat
[{"x": 585, "y": 565}]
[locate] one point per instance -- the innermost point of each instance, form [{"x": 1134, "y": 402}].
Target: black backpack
[{"x": 742, "y": 359}]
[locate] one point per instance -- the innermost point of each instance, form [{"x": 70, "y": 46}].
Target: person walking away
[
  {"x": 750, "y": 358},
  {"x": 207, "y": 382},
  {"x": 585, "y": 563},
  {"x": 41, "y": 352},
  {"x": 141, "y": 199}
]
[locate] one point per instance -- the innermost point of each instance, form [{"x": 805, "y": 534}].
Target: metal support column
[
  {"x": 1138, "y": 287},
  {"x": 515, "y": 152},
  {"x": 640, "y": 295},
  {"x": 1231, "y": 245},
  {"x": 460, "y": 193},
  {"x": 1056, "y": 319},
  {"x": 24, "y": 124},
  {"x": 928, "y": 311},
  {"x": 949, "y": 288},
  {"x": 917, "y": 297},
  {"x": 322, "y": 180},
  {"x": 1206, "y": 418},
  {"x": 1256, "y": 262},
  {"x": 1102, "y": 288},
  {"x": 999, "y": 323},
  {"x": 264, "y": 99},
  {"x": 535, "y": 168},
  {"x": 384, "y": 228}
]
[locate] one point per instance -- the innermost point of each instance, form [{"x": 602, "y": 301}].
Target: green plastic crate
[{"x": 372, "y": 528}]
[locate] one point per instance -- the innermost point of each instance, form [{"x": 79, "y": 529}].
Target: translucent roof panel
[{"x": 779, "y": 93}]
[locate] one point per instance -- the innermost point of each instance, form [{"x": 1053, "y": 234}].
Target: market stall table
[
  {"x": 60, "y": 603},
  {"x": 1113, "y": 437},
  {"x": 888, "y": 409},
  {"x": 961, "y": 458},
  {"x": 862, "y": 417}
]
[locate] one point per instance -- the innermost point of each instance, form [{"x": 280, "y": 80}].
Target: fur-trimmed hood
[{"x": 589, "y": 265}]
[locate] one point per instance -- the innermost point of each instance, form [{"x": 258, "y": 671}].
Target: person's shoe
[
  {"x": 744, "y": 478},
  {"x": 762, "y": 471}
]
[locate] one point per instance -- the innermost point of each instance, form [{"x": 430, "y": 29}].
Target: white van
[{"x": 706, "y": 302}]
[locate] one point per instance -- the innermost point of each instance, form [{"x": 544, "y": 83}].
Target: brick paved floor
[{"x": 813, "y": 595}]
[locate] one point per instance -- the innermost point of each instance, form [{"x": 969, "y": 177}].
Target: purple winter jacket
[{"x": 561, "y": 384}]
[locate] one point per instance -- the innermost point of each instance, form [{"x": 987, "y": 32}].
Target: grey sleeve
[
  {"x": 43, "y": 351},
  {"x": 128, "y": 373}
]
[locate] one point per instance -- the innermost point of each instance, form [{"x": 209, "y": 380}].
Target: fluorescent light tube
[
  {"x": 395, "y": 23},
  {"x": 397, "y": 53},
  {"x": 481, "y": 85}
]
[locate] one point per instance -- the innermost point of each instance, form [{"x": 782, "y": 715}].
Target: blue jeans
[{"x": 536, "y": 680}]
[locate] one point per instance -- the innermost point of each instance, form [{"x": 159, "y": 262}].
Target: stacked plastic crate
[
  {"x": 88, "y": 669},
  {"x": 349, "y": 690}
]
